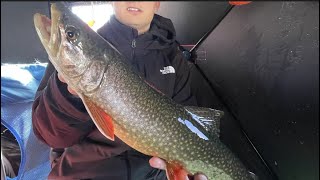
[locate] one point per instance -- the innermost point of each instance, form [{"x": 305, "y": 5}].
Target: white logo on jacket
[{"x": 167, "y": 70}]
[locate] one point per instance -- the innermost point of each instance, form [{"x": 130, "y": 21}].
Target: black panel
[
  {"x": 231, "y": 133},
  {"x": 193, "y": 19},
  {"x": 19, "y": 40},
  {"x": 263, "y": 60}
]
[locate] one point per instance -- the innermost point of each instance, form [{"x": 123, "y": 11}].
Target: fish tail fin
[{"x": 207, "y": 118}]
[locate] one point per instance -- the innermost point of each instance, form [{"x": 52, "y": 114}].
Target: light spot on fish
[{"x": 193, "y": 128}]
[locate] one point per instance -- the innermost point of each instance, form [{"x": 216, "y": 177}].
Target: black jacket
[
  {"x": 61, "y": 121},
  {"x": 152, "y": 52}
]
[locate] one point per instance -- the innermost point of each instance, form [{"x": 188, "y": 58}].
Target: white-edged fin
[
  {"x": 100, "y": 118},
  {"x": 208, "y": 118},
  {"x": 253, "y": 176}
]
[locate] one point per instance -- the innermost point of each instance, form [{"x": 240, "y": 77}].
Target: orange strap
[{"x": 238, "y": 3}]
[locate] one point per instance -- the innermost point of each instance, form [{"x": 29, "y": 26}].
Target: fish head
[{"x": 72, "y": 46}]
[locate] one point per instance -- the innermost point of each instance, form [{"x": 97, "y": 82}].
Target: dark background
[{"x": 262, "y": 61}]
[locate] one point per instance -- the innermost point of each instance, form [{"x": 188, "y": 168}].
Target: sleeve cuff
[{"x": 66, "y": 101}]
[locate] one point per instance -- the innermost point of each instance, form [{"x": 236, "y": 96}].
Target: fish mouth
[{"x": 48, "y": 30}]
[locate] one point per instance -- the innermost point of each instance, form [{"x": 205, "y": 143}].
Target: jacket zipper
[
  {"x": 133, "y": 45},
  {"x": 128, "y": 166}
]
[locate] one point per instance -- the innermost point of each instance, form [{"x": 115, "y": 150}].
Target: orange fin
[
  {"x": 175, "y": 172},
  {"x": 100, "y": 118},
  {"x": 239, "y": 3}
]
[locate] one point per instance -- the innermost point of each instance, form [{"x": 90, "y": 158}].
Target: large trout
[{"x": 122, "y": 104}]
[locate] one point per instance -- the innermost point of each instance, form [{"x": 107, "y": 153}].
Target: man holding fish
[{"x": 60, "y": 119}]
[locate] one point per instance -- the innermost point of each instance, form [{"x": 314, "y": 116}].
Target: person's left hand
[{"x": 161, "y": 164}]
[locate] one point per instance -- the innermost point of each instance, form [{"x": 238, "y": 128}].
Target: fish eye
[{"x": 72, "y": 33}]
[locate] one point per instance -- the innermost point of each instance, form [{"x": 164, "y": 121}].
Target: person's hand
[
  {"x": 69, "y": 89},
  {"x": 161, "y": 164}
]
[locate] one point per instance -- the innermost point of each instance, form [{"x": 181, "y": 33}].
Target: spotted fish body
[{"x": 121, "y": 103}]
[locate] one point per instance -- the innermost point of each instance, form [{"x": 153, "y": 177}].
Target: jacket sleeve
[
  {"x": 59, "y": 119},
  {"x": 182, "y": 89}
]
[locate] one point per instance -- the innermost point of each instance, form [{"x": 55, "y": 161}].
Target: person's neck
[{"x": 142, "y": 30}]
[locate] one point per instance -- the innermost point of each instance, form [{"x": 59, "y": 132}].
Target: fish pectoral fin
[
  {"x": 207, "y": 118},
  {"x": 100, "y": 118},
  {"x": 175, "y": 172}
]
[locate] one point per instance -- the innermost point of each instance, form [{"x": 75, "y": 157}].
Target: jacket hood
[{"x": 163, "y": 32}]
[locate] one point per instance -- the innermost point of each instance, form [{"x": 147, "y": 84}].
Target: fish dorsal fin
[
  {"x": 100, "y": 118},
  {"x": 207, "y": 118}
]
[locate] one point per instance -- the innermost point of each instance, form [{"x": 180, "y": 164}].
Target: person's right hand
[
  {"x": 161, "y": 164},
  {"x": 69, "y": 89}
]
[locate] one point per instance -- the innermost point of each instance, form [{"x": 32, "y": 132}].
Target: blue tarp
[{"x": 19, "y": 83}]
